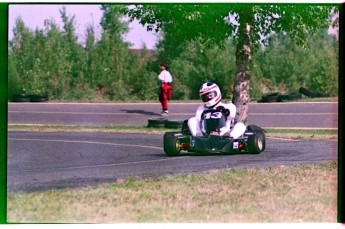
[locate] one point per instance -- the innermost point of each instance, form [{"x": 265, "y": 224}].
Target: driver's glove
[{"x": 226, "y": 112}]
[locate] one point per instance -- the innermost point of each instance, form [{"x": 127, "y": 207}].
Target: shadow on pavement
[{"x": 141, "y": 112}]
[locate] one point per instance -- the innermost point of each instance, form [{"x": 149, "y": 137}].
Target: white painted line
[
  {"x": 294, "y": 103},
  {"x": 98, "y": 166},
  {"x": 94, "y": 166},
  {"x": 170, "y": 114},
  {"x": 286, "y": 139},
  {"x": 301, "y": 128},
  {"x": 92, "y": 113},
  {"x": 72, "y": 103},
  {"x": 72, "y": 113},
  {"x": 294, "y": 114},
  {"x": 86, "y": 142},
  {"x": 157, "y": 103},
  {"x": 299, "y": 140},
  {"x": 93, "y": 127}
]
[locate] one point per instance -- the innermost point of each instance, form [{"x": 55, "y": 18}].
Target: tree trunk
[{"x": 243, "y": 59}]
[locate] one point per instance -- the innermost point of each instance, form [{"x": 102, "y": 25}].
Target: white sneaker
[{"x": 165, "y": 113}]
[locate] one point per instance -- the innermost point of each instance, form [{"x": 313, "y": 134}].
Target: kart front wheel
[
  {"x": 172, "y": 145},
  {"x": 256, "y": 143}
]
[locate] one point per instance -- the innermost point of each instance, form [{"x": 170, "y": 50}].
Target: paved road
[
  {"x": 297, "y": 115},
  {"x": 40, "y": 161}
]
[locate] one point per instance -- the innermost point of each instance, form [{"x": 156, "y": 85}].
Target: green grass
[
  {"x": 298, "y": 134},
  {"x": 302, "y": 193},
  {"x": 303, "y": 134},
  {"x": 253, "y": 100}
]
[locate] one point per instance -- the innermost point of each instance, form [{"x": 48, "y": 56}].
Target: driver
[{"x": 211, "y": 97}]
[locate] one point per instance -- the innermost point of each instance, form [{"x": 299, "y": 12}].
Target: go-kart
[{"x": 212, "y": 123}]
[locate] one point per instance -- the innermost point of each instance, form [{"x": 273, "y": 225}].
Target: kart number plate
[{"x": 235, "y": 145}]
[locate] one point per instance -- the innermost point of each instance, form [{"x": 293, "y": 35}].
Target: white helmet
[{"x": 210, "y": 94}]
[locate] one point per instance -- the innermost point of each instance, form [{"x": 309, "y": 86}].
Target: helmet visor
[{"x": 208, "y": 96}]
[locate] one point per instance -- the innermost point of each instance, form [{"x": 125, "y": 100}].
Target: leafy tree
[
  {"x": 74, "y": 51},
  {"x": 198, "y": 64},
  {"x": 47, "y": 60},
  {"x": 248, "y": 24},
  {"x": 283, "y": 63},
  {"x": 91, "y": 57},
  {"x": 113, "y": 53},
  {"x": 324, "y": 68},
  {"x": 14, "y": 82},
  {"x": 120, "y": 73},
  {"x": 22, "y": 57}
]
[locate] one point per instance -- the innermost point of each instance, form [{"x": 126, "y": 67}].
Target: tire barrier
[
  {"x": 307, "y": 92},
  {"x": 173, "y": 124},
  {"x": 38, "y": 98},
  {"x": 293, "y": 96},
  {"x": 322, "y": 95},
  {"x": 270, "y": 97},
  {"x": 29, "y": 98},
  {"x": 312, "y": 94},
  {"x": 164, "y": 123},
  {"x": 20, "y": 98},
  {"x": 157, "y": 122}
]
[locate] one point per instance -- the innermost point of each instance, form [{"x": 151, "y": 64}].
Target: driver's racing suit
[{"x": 234, "y": 129}]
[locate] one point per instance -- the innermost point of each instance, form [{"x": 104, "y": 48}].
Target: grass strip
[
  {"x": 253, "y": 100},
  {"x": 297, "y": 134},
  {"x": 301, "y": 193},
  {"x": 303, "y": 134}
]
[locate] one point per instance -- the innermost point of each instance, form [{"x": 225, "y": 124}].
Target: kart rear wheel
[
  {"x": 258, "y": 131},
  {"x": 256, "y": 143},
  {"x": 172, "y": 145},
  {"x": 185, "y": 128}
]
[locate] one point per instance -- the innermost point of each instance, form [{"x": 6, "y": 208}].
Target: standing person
[{"x": 165, "y": 81}]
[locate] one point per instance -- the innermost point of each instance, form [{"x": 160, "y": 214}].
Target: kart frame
[{"x": 253, "y": 141}]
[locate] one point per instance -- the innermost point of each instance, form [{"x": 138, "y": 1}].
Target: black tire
[
  {"x": 38, "y": 98},
  {"x": 20, "y": 98},
  {"x": 322, "y": 95},
  {"x": 171, "y": 144},
  {"x": 270, "y": 97},
  {"x": 256, "y": 143},
  {"x": 157, "y": 122},
  {"x": 307, "y": 92},
  {"x": 185, "y": 128},
  {"x": 283, "y": 97},
  {"x": 255, "y": 128},
  {"x": 293, "y": 96},
  {"x": 173, "y": 124}
]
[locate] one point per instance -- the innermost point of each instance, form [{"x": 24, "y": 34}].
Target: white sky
[{"x": 34, "y": 15}]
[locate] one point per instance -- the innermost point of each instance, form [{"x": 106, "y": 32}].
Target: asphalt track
[
  {"x": 41, "y": 161},
  {"x": 282, "y": 115}
]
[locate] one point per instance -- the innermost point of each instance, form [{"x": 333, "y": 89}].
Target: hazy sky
[{"x": 34, "y": 15}]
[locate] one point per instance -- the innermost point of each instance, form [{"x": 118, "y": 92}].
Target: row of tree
[
  {"x": 51, "y": 60},
  {"x": 247, "y": 25},
  {"x": 280, "y": 66}
]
